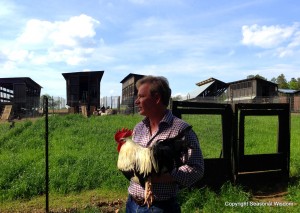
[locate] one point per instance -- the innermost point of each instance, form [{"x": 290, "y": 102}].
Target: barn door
[{"x": 262, "y": 142}]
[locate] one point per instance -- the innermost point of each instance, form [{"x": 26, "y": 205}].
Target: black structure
[
  {"x": 22, "y": 93},
  {"x": 83, "y": 89},
  {"x": 217, "y": 170},
  {"x": 234, "y": 165},
  {"x": 265, "y": 168}
]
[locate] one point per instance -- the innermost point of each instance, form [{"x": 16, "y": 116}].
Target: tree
[
  {"x": 54, "y": 104},
  {"x": 282, "y": 83},
  {"x": 256, "y": 76},
  {"x": 42, "y": 99},
  {"x": 293, "y": 84},
  {"x": 177, "y": 98},
  {"x": 273, "y": 80}
]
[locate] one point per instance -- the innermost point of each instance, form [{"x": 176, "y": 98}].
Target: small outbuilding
[
  {"x": 290, "y": 96},
  {"x": 129, "y": 91},
  {"x": 83, "y": 90},
  {"x": 22, "y": 94},
  {"x": 251, "y": 90}
]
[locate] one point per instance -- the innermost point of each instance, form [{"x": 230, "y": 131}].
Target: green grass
[
  {"x": 254, "y": 142},
  {"x": 209, "y": 131},
  {"x": 83, "y": 156}
]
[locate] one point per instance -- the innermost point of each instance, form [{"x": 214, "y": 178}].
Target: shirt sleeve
[{"x": 192, "y": 169}]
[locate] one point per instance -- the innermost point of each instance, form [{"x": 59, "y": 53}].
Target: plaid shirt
[{"x": 191, "y": 170}]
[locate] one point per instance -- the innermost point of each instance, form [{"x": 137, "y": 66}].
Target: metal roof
[
  {"x": 250, "y": 79},
  {"x": 288, "y": 91},
  {"x": 131, "y": 75},
  {"x": 8, "y": 82},
  {"x": 98, "y": 74},
  {"x": 197, "y": 91}
]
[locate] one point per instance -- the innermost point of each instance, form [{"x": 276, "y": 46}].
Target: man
[{"x": 159, "y": 123}]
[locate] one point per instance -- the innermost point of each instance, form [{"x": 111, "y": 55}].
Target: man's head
[
  {"x": 158, "y": 85},
  {"x": 153, "y": 93}
]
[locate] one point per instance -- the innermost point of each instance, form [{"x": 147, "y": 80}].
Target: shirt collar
[{"x": 167, "y": 119}]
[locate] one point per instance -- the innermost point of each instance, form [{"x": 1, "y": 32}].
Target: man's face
[{"x": 145, "y": 102}]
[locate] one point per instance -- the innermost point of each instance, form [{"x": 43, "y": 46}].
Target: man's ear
[{"x": 157, "y": 98}]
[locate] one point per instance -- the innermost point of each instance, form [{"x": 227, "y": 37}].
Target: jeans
[{"x": 171, "y": 206}]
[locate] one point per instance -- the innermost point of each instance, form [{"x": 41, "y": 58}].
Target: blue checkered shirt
[{"x": 192, "y": 168}]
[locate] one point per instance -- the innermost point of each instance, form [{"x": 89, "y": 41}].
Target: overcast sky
[{"x": 187, "y": 41}]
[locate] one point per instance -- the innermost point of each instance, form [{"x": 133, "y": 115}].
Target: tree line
[{"x": 293, "y": 84}]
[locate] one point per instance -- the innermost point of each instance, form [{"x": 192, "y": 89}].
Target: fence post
[{"x": 46, "y": 153}]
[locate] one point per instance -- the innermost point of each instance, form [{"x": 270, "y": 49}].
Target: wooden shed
[
  {"x": 129, "y": 91},
  {"x": 83, "y": 90},
  {"x": 207, "y": 90},
  {"x": 22, "y": 94},
  {"x": 290, "y": 96},
  {"x": 251, "y": 89}
]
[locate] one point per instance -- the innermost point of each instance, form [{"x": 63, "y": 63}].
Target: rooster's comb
[{"x": 123, "y": 133}]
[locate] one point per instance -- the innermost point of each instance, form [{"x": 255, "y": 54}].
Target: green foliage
[
  {"x": 256, "y": 76},
  {"x": 80, "y": 149},
  {"x": 281, "y": 81}
]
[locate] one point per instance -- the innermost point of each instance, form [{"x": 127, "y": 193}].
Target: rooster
[{"x": 138, "y": 163}]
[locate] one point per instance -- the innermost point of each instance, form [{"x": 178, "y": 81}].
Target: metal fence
[
  {"x": 128, "y": 106},
  {"x": 112, "y": 102}
]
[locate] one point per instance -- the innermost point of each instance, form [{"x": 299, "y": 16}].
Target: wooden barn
[
  {"x": 207, "y": 90},
  {"x": 83, "y": 90},
  {"x": 129, "y": 91},
  {"x": 251, "y": 90},
  {"x": 21, "y": 96}
]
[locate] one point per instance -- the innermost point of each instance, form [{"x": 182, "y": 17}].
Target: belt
[{"x": 139, "y": 201}]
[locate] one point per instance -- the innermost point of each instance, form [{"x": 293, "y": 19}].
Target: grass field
[{"x": 83, "y": 173}]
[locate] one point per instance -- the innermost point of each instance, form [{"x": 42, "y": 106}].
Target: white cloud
[
  {"x": 296, "y": 40},
  {"x": 277, "y": 41},
  {"x": 36, "y": 32},
  {"x": 44, "y": 42},
  {"x": 16, "y": 55},
  {"x": 66, "y": 33},
  {"x": 59, "y": 33},
  {"x": 7, "y": 7},
  {"x": 267, "y": 36}
]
